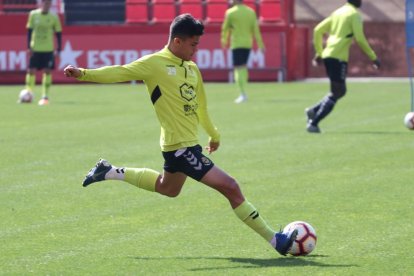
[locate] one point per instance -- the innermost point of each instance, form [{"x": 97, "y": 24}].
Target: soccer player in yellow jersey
[
  {"x": 41, "y": 27},
  {"x": 240, "y": 24},
  {"x": 176, "y": 90},
  {"x": 343, "y": 25}
]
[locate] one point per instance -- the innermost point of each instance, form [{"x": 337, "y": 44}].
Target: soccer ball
[
  {"x": 25, "y": 96},
  {"x": 306, "y": 239},
  {"x": 409, "y": 120}
]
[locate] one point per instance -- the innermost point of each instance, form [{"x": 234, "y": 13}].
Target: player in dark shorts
[
  {"x": 343, "y": 26},
  {"x": 41, "y": 25},
  {"x": 180, "y": 114},
  {"x": 240, "y": 25}
]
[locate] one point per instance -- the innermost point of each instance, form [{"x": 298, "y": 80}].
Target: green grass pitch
[{"x": 353, "y": 183}]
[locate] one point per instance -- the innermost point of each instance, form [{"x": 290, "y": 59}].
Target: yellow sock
[
  {"x": 249, "y": 215},
  {"x": 241, "y": 77},
  {"x": 30, "y": 81},
  {"x": 142, "y": 178},
  {"x": 46, "y": 83}
]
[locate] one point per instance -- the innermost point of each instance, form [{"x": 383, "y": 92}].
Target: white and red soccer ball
[
  {"x": 409, "y": 120},
  {"x": 306, "y": 239},
  {"x": 25, "y": 96}
]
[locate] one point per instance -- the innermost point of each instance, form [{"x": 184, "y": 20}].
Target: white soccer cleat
[
  {"x": 43, "y": 101},
  {"x": 241, "y": 99}
]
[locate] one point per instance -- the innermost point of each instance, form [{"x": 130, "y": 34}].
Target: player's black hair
[
  {"x": 356, "y": 3},
  {"x": 185, "y": 26}
]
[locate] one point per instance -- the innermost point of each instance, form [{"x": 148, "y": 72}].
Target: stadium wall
[{"x": 285, "y": 57}]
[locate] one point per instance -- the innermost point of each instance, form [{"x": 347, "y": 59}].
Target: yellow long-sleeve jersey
[
  {"x": 342, "y": 25},
  {"x": 240, "y": 23},
  {"x": 176, "y": 90},
  {"x": 44, "y": 26}
]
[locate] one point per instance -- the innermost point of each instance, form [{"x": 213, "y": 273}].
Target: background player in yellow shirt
[
  {"x": 343, "y": 25},
  {"x": 240, "y": 23},
  {"x": 176, "y": 89},
  {"x": 41, "y": 27}
]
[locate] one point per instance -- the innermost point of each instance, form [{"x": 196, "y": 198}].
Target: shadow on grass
[{"x": 254, "y": 262}]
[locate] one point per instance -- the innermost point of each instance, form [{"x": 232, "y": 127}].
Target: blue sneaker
[
  {"x": 97, "y": 173},
  {"x": 284, "y": 241}
]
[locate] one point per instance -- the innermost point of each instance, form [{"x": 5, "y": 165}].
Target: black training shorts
[
  {"x": 240, "y": 56},
  {"x": 189, "y": 161},
  {"x": 42, "y": 60},
  {"x": 336, "y": 69}
]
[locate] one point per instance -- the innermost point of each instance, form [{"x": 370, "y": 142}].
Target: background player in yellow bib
[
  {"x": 343, "y": 25},
  {"x": 41, "y": 27},
  {"x": 176, "y": 89},
  {"x": 240, "y": 24}
]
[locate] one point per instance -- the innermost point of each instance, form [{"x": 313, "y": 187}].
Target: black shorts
[
  {"x": 42, "y": 60},
  {"x": 189, "y": 161},
  {"x": 336, "y": 69},
  {"x": 240, "y": 56}
]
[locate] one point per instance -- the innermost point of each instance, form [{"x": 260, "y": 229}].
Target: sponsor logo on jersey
[
  {"x": 187, "y": 92},
  {"x": 171, "y": 70}
]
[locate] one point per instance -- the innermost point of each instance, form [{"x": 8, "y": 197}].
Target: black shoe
[
  {"x": 97, "y": 173},
  {"x": 310, "y": 114},
  {"x": 312, "y": 128}
]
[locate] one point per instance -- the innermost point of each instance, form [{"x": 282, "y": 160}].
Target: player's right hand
[
  {"x": 316, "y": 61},
  {"x": 72, "y": 72}
]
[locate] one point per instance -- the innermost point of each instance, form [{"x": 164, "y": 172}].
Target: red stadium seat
[
  {"x": 164, "y": 10},
  {"x": 270, "y": 11},
  {"x": 194, "y": 7},
  {"x": 137, "y": 11},
  {"x": 215, "y": 10}
]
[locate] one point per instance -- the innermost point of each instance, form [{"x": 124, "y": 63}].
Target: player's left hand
[{"x": 212, "y": 146}]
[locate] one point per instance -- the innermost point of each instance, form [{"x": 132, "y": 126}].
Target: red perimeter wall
[{"x": 286, "y": 52}]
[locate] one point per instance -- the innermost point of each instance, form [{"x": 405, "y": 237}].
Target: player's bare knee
[
  {"x": 234, "y": 193},
  {"x": 167, "y": 190},
  {"x": 232, "y": 187},
  {"x": 171, "y": 192}
]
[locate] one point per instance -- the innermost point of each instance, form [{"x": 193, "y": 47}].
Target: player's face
[
  {"x": 187, "y": 47},
  {"x": 46, "y": 5}
]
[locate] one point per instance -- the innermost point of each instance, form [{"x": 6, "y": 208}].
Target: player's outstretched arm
[{"x": 72, "y": 72}]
